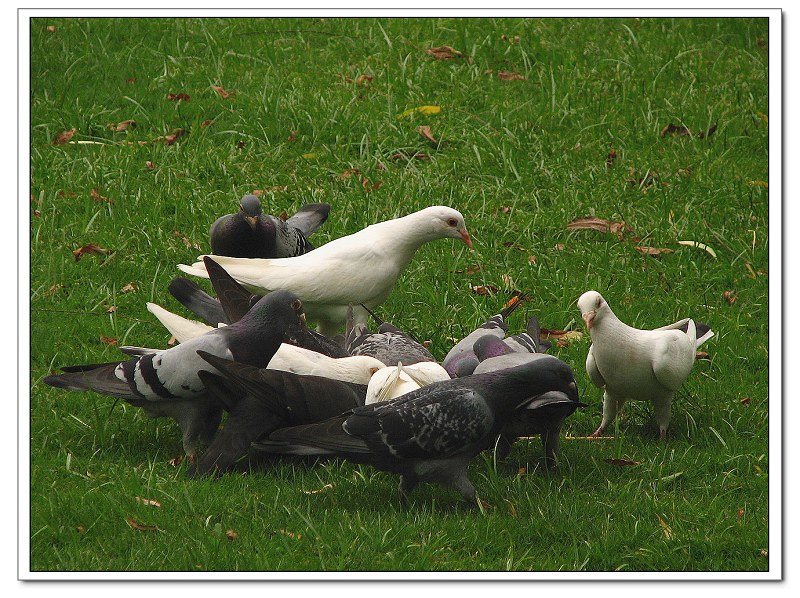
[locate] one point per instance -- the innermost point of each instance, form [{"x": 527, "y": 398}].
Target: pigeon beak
[
  {"x": 465, "y": 237},
  {"x": 588, "y": 317},
  {"x": 302, "y": 318},
  {"x": 252, "y": 221}
]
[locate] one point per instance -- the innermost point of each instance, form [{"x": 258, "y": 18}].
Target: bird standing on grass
[
  {"x": 430, "y": 434},
  {"x": 361, "y": 268},
  {"x": 166, "y": 383},
  {"x": 632, "y": 364},
  {"x": 251, "y": 234}
]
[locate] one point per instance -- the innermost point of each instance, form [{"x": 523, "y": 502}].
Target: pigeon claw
[{"x": 597, "y": 433}]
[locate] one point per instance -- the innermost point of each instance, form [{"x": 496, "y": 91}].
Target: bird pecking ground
[{"x": 143, "y": 131}]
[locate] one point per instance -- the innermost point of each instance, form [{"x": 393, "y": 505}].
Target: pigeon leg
[
  {"x": 503, "y": 446},
  {"x": 407, "y": 485},
  {"x": 611, "y": 406},
  {"x": 551, "y": 441},
  {"x": 663, "y": 409},
  {"x": 460, "y": 482}
]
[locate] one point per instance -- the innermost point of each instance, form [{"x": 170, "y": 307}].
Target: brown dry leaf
[
  {"x": 521, "y": 471},
  {"x": 69, "y": 194},
  {"x": 653, "y": 250},
  {"x": 348, "y": 173},
  {"x": 109, "y": 340},
  {"x": 289, "y": 534},
  {"x": 53, "y": 289},
  {"x": 484, "y": 289},
  {"x": 672, "y": 129},
  {"x": 622, "y": 462},
  {"x": 130, "y": 80},
  {"x": 64, "y": 136},
  {"x": 685, "y": 172},
  {"x": 172, "y": 137},
  {"x": 37, "y": 213},
  {"x": 92, "y": 249},
  {"x": 231, "y": 535},
  {"x": 206, "y": 123},
  {"x": 664, "y": 527},
  {"x": 507, "y": 76},
  {"x": 97, "y": 197},
  {"x": 600, "y": 224},
  {"x": 513, "y": 40},
  {"x": 292, "y": 136},
  {"x": 425, "y": 131},
  {"x": 319, "y": 490},
  {"x": 427, "y": 343},
  {"x": 700, "y": 355},
  {"x": 123, "y": 126},
  {"x": 745, "y": 400},
  {"x": 128, "y": 288},
  {"x": 471, "y": 269},
  {"x": 559, "y": 247},
  {"x": 443, "y": 52},
  {"x": 729, "y": 296},
  {"x": 52, "y": 29},
  {"x": 364, "y": 80},
  {"x": 505, "y": 209},
  {"x": 178, "y": 97},
  {"x": 81, "y": 529},
  {"x": 507, "y": 281},
  {"x": 150, "y": 165},
  {"x": 176, "y": 461},
  {"x": 369, "y": 187},
  {"x": 709, "y": 133},
  {"x": 148, "y": 501},
  {"x": 512, "y": 245},
  {"x": 612, "y": 155},
  {"x": 141, "y": 527},
  {"x": 532, "y": 260},
  {"x": 111, "y": 309},
  {"x": 222, "y": 92},
  {"x": 739, "y": 512},
  {"x": 241, "y": 144}
]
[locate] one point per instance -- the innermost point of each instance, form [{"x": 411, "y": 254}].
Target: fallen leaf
[
  {"x": 289, "y": 534},
  {"x": 709, "y": 133},
  {"x": 92, "y": 249},
  {"x": 64, "y": 137},
  {"x": 319, "y": 490},
  {"x": 740, "y": 513},
  {"x": 37, "y": 213},
  {"x": 130, "y": 80},
  {"x": 222, "y": 92},
  {"x": 425, "y": 131},
  {"x": 763, "y": 184},
  {"x": 653, "y": 250},
  {"x": 172, "y": 137},
  {"x": 141, "y": 527},
  {"x": 470, "y": 270},
  {"x": 600, "y": 224},
  {"x": 427, "y": 343},
  {"x": 507, "y": 281},
  {"x": 664, "y": 527},
  {"x": 81, "y": 529},
  {"x": 482, "y": 289},
  {"x": 622, "y": 462},
  {"x": 763, "y": 117},
  {"x": 729, "y": 296},
  {"x": 109, "y": 341},
  {"x": 699, "y": 245},
  {"x": 148, "y": 501},
  {"x": 763, "y": 552},
  {"x": 700, "y": 355},
  {"x": 513, "y": 40},
  {"x": 532, "y": 260},
  {"x": 176, "y": 461},
  {"x": 745, "y": 400},
  {"x": 505, "y": 210},
  {"x": 123, "y": 126},
  {"x": 521, "y": 471},
  {"x": 240, "y": 144},
  {"x": 149, "y": 164},
  {"x": 443, "y": 52},
  {"x": 178, "y": 97},
  {"x": 672, "y": 129},
  {"x": 97, "y": 197},
  {"x": 507, "y": 76},
  {"x": 292, "y": 136},
  {"x": 425, "y": 110},
  {"x": 128, "y": 288},
  {"x": 559, "y": 247},
  {"x": 52, "y": 290},
  {"x": 231, "y": 535},
  {"x": 51, "y": 28},
  {"x": 69, "y": 194},
  {"x": 364, "y": 80},
  {"x": 610, "y": 158},
  {"x": 206, "y": 123},
  {"x": 415, "y": 156},
  {"x": 111, "y": 309}
]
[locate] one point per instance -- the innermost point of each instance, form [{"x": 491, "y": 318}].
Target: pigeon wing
[
  {"x": 310, "y": 217},
  {"x": 591, "y": 368}
]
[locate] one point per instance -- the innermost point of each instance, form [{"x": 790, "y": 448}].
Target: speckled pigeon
[
  {"x": 430, "y": 434},
  {"x": 166, "y": 383},
  {"x": 251, "y": 234},
  {"x": 632, "y": 364},
  {"x": 389, "y": 344},
  {"x": 361, "y": 268},
  {"x": 260, "y": 401}
]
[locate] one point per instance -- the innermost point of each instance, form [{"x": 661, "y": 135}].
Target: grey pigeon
[
  {"x": 361, "y": 268},
  {"x": 430, "y": 434},
  {"x": 461, "y": 360},
  {"x": 232, "y": 303},
  {"x": 389, "y": 344},
  {"x": 251, "y": 234},
  {"x": 632, "y": 364},
  {"x": 260, "y": 401},
  {"x": 166, "y": 383},
  {"x": 545, "y": 415}
]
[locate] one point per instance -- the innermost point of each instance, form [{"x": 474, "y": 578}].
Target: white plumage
[
  {"x": 361, "y": 268},
  {"x": 289, "y": 358},
  {"x": 394, "y": 381},
  {"x": 632, "y": 364}
]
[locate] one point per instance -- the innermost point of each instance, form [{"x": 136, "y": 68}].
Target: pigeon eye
[
  {"x": 452, "y": 222},
  {"x": 297, "y": 304}
]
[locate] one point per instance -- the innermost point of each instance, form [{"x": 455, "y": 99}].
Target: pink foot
[
  {"x": 598, "y": 432},
  {"x": 662, "y": 435}
]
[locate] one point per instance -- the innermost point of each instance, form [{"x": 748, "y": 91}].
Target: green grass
[{"x": 520, "y": 159}]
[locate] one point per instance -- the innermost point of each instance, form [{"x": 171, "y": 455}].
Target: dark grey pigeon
[
  {"x": 252, "y": 234},
  {"x": 544, "y": 415},
  {"x": 260, "y": 401},
  {"x": 389, "y": 345},
  {"x": 166, "y": 383},
  {"x": 234, "y": 301},
  {"x": 460, "y": 360},
  {"x": 430, "y": 434}
]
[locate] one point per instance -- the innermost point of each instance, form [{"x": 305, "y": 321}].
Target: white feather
[{"x": 394, "y": 381}]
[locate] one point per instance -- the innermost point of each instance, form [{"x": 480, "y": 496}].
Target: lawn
[{"x": 660, "y": 123}]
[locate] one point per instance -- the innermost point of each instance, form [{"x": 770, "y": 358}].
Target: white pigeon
[
  {"x": 394, "y": 381},
  {"x": 632, "y": 364},
  {"x": 357, "y": 369},
  {"x": 361, "y": 268}
]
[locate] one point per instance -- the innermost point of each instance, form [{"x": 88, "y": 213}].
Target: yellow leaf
[
  {"x": 309, "y": 156},
  {"x": 699, "y": 245},
  {"x": 763, "y": 116},
  {"x": 664, "y": 527},
  {"x": 421, "y": 110},
  {"x": 764, "y": 184}
]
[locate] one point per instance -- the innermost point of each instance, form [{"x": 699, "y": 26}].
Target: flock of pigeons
[{"x": 378, "y": 398}]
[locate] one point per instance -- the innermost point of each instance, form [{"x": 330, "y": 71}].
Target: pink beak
[
  {"x": 465, "y": 237},
  {"x": 588, "y": 317}
]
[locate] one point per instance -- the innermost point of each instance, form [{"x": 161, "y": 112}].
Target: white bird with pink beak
[
  {"x": 359, "y": 270},
  {"x": 632, "y": 364}
]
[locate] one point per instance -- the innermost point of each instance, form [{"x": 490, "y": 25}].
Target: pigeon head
[
  {"x": 279, "y": 309},
  {"x": 490, "y": 346},
  {"x": 592, "y": 304},
  {"x": 447, "y": 222},
  {"x": 250, "y": 207}
]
